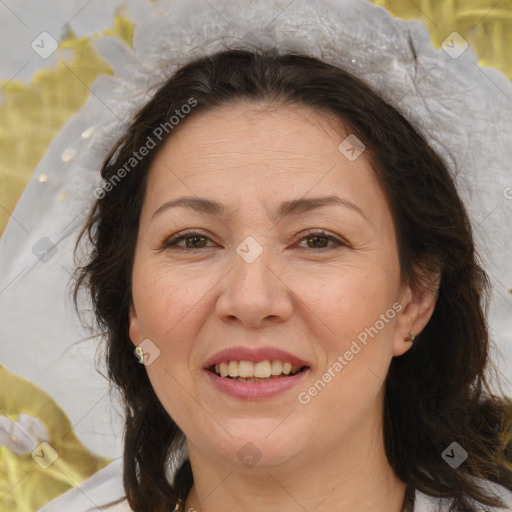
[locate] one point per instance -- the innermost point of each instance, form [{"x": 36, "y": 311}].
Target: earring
[
  {"x": 139, "y": 352},
  {"x": 410, "y": 338}
]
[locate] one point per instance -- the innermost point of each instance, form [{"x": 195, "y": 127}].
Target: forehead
[
  {"x": 257, "y": 135},
  {"x": 249, "y": 128},
  {"x": 241, "y": 149}
]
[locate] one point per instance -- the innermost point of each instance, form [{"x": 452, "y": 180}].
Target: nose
[{"x": 255, "y": 291}]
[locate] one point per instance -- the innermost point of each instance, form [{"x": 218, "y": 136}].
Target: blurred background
[{"x": 40, "y": 89}]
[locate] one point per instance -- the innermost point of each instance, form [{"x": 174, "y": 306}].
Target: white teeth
[
  {"x": 262, "y": 369},
  {"x": 276, "y": 368},
  {"x": 233, "y": 369},
  {"x": 224, "y": 371},
  {"x": 247, "y": 371}
]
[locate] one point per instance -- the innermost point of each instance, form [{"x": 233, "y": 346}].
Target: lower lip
[{"x": 255, "y": 390}]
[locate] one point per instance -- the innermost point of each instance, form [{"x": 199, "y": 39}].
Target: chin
[{"x": 259, "y": 447}]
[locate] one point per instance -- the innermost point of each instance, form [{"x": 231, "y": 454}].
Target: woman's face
[{"x": 288, "y": 256}]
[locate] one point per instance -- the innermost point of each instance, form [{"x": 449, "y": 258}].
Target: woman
[{"x": 291, "y": 262}]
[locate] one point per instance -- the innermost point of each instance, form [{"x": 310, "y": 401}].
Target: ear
[
  {"x": 418, "y": 303},
  {"x": 134, "y": 328}
]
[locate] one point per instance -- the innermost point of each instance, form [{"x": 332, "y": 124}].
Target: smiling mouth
[{"x": 261, "y": 371}]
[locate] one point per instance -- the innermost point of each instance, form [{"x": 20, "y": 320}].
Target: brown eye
[
  {"x": 314, "y": 239},
  {"x": 317, "y": 241},
  {"x": 195, "y": 241},
  {"x": 320, "y": 240},
  {"x": 192, "y": 241}
]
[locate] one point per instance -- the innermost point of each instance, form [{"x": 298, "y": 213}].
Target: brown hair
[{"x": 436, "y": 393}]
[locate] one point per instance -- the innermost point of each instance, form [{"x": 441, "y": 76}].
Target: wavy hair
[{"x": 435, "y": 394}]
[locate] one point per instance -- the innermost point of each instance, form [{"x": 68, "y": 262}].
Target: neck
[{"x": 351, "y": 476}]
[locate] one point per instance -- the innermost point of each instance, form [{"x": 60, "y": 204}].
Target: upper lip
[{"x": 255, "y": 355}]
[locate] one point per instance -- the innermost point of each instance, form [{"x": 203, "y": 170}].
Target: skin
[{"x": 312, "y": 302}]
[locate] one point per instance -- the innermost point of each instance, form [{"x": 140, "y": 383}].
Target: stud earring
[
  {"x": 410, "y": 338},
  {"x": 139, "y": 352}
]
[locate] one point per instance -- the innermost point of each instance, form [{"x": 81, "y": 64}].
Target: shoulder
[{"x": 424, "y": 503}]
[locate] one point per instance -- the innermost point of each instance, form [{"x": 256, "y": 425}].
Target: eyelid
[
  {"x": 338, "y": 241},
  {"x": 167, "y": 241}
]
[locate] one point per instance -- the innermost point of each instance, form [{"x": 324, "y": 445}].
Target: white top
[{"x": 106, "y": 486}]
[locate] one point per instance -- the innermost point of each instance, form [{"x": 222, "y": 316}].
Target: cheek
[
  {"x": 172, "y": 306},
  {"x": 340, "y": 300},
  {"x": 163, "y": 297},
  {"x": 352, "y": 299},
  {"x": 353, "y": 342},
  {"x": 165, "y": 301}
]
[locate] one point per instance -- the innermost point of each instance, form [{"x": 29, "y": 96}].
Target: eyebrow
[{"x": 286, "y": 209}]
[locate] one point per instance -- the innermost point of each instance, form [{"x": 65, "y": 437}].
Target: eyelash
[{"x": 171, "y": 243}]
